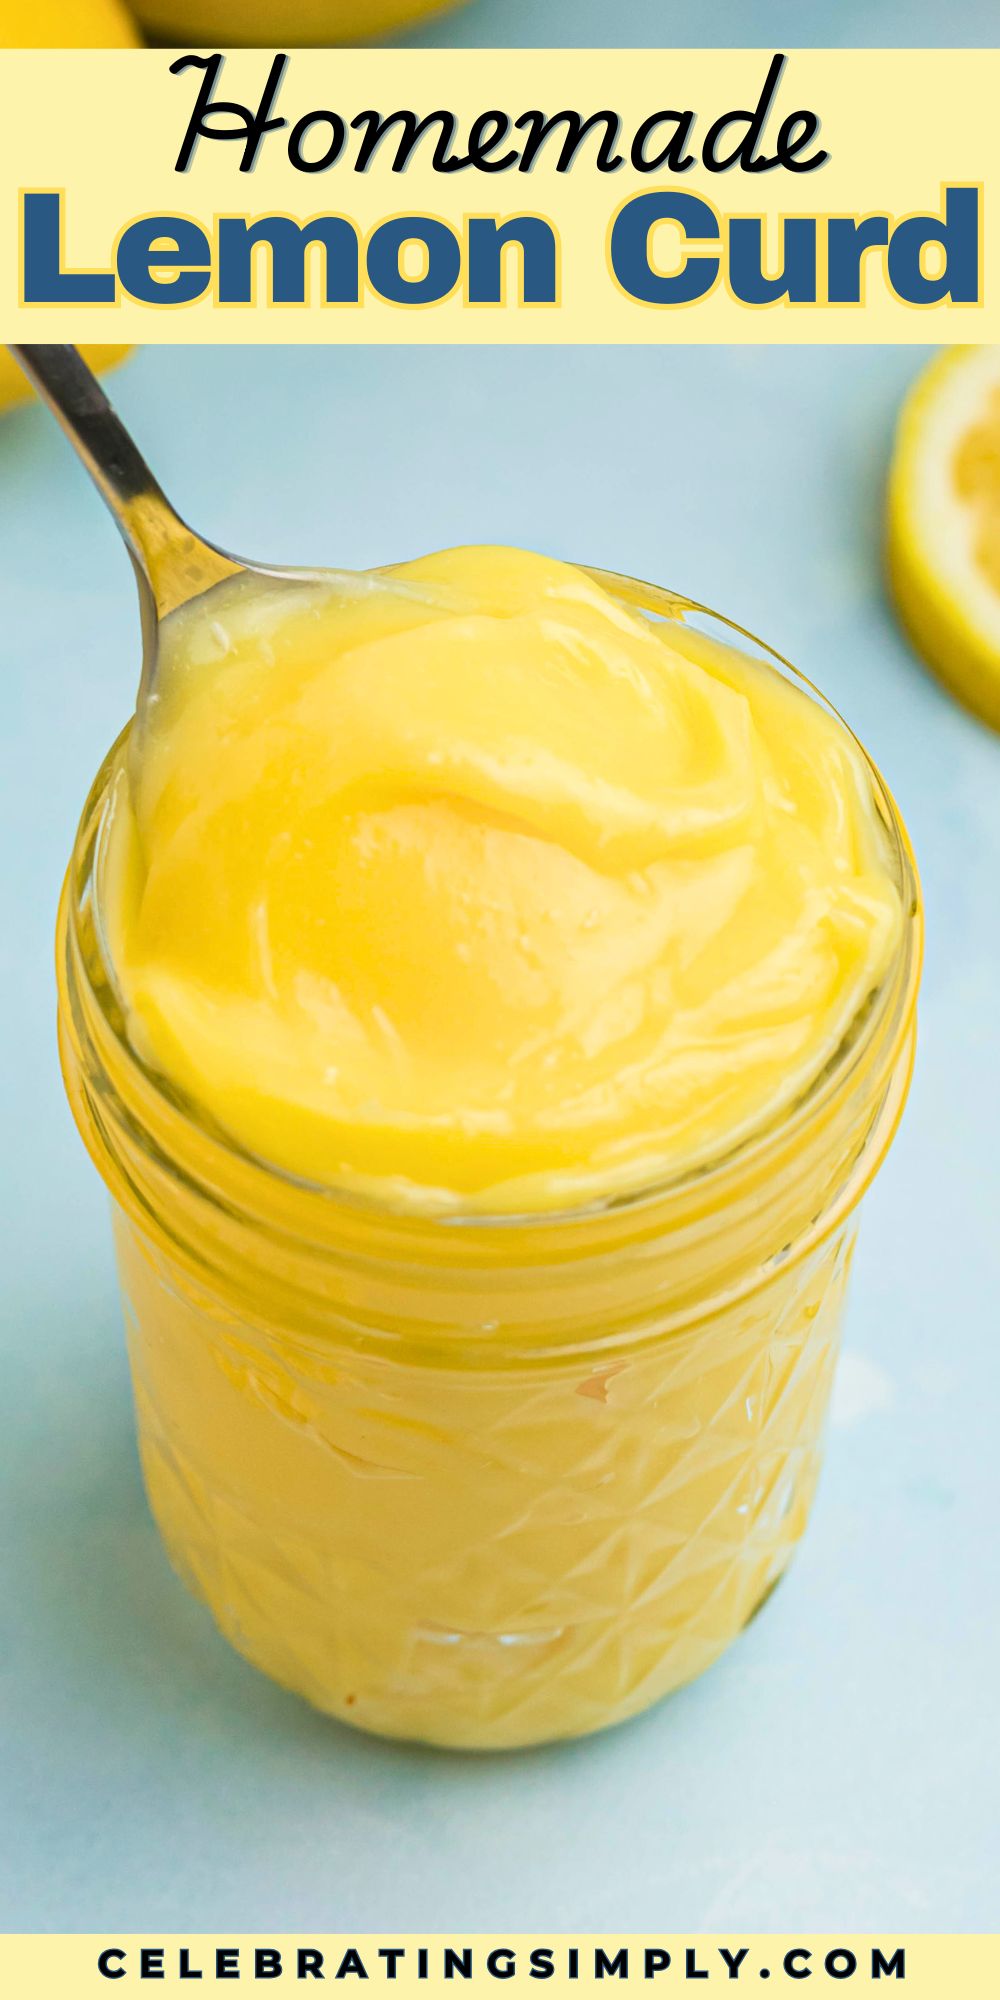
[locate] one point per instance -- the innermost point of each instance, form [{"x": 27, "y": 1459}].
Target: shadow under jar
[{"x": 480, "y": 1482}]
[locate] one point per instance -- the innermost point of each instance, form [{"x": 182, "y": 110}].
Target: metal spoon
[{"x": 173, "y": 565}]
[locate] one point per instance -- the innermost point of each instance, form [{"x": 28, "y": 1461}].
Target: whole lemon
[
  {"x": 14, "y": 387},
  {"x": 280, "y": 23},
  {"x": 66, "y": 24}
]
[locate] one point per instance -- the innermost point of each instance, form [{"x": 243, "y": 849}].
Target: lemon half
[{"x": 944, "y": 523}]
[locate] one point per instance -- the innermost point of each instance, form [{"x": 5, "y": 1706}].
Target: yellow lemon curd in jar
[
  {"x": 462, "y": 882},
  {"x": 465, "y": 891}
]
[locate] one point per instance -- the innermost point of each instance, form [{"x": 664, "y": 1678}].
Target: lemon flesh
[{"x": 943, "y": 547}]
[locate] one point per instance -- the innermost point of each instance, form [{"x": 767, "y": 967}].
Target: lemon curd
[{"x": 486, "y": 992}]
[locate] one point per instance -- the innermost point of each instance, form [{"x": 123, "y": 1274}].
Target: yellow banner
[
  {"x": 924, "y": 1968},
  {"x": 502, "y": 195}
]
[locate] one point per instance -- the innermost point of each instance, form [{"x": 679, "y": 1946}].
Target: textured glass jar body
[
  {"x": 478, "y": 1483},
  {"x": 486, "y": 1556}
]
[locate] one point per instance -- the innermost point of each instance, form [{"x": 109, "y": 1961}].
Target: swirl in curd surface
[{"x": 463, "y": 884}]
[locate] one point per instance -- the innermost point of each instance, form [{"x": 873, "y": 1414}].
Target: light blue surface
[
  {"x": 711, "y": 24},
  {"x": 839, "y": 1768}
]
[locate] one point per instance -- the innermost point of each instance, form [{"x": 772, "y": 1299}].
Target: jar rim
[{"x": 889, "y": 1007}]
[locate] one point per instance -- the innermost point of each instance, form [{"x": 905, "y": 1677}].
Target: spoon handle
[{"x": 170, "y": 560}]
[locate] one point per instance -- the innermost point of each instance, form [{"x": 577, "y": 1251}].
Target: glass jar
[{"x": 480, "y": 1482}]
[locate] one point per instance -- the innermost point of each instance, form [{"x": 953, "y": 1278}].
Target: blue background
[
  {"x": 839, "y": 1769},
  {"x": 711, "y": 24}
]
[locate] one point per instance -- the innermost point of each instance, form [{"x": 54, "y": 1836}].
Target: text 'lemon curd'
[
  {"x": 665, "y": 250},
  {"x": 487, "y": 993}
]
